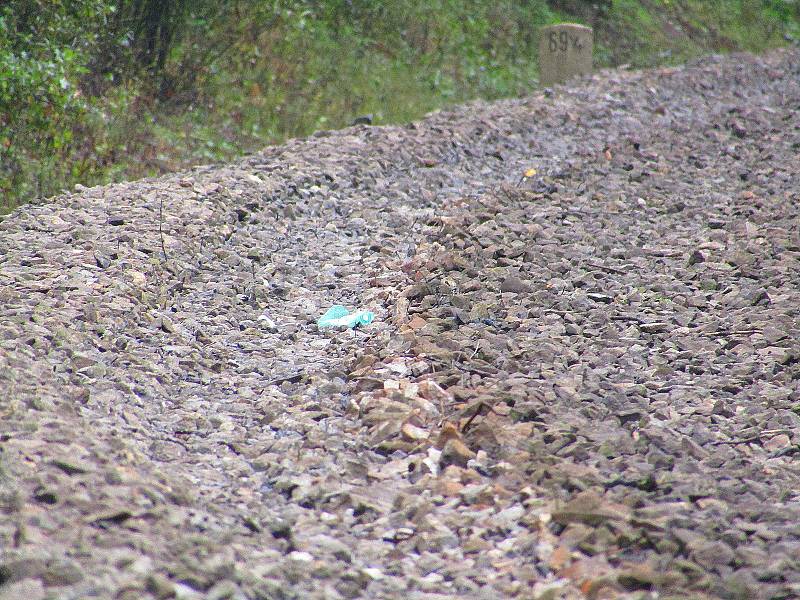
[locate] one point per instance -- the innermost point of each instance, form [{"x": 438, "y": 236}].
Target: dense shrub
[{"x": 44, "y": 48}]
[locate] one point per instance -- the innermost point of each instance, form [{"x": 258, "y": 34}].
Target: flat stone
[
  {"x": 455, "y": 452},
  {"x": 515, "y": 285}
]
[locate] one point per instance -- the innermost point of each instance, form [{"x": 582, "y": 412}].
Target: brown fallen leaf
[
  {"x": 560, "y": 558},
  {"x": 417, "y": 323}
]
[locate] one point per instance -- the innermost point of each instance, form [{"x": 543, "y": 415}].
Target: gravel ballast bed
[{"x": 584, "y": 382}]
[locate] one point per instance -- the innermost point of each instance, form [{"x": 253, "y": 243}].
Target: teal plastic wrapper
[{"x": 338, "y": 316}]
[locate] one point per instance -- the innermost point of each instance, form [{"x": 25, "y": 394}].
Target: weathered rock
[{"x": 588, "y": 372}]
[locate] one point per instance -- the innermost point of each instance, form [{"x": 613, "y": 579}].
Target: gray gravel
[{"x": 580, "y": 382}]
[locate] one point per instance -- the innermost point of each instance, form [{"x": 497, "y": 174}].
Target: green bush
[{"x": 44, "y": 48}]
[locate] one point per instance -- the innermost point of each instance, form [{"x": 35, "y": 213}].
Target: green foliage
[
  {"x": 671, "y": 31},
  {"x": 44, "y": 47},
  {"x": 785, "y": 14},
  {"x": 300, "y": 66},
  {"x": 98, "y": 90}
]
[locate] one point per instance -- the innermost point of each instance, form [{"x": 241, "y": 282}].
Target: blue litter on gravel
[{"x": 338, "y": 316}]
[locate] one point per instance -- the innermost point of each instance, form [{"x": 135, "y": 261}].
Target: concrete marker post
[{"x": 565, "y": 51}]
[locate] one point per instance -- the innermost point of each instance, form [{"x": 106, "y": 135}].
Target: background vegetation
[{"x": 98, "y": 90}]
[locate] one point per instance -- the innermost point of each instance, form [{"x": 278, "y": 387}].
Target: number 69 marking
[{"x": 558, "y": 41}]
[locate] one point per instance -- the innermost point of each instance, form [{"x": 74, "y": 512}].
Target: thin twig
[
  {"x": 291, "y": 377},
  {"x": 160, "y": 229},
  {"x": 477, "y": 349},
  {"x": 747, "y": 440},
  {"x": 478, "y": 412}
]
